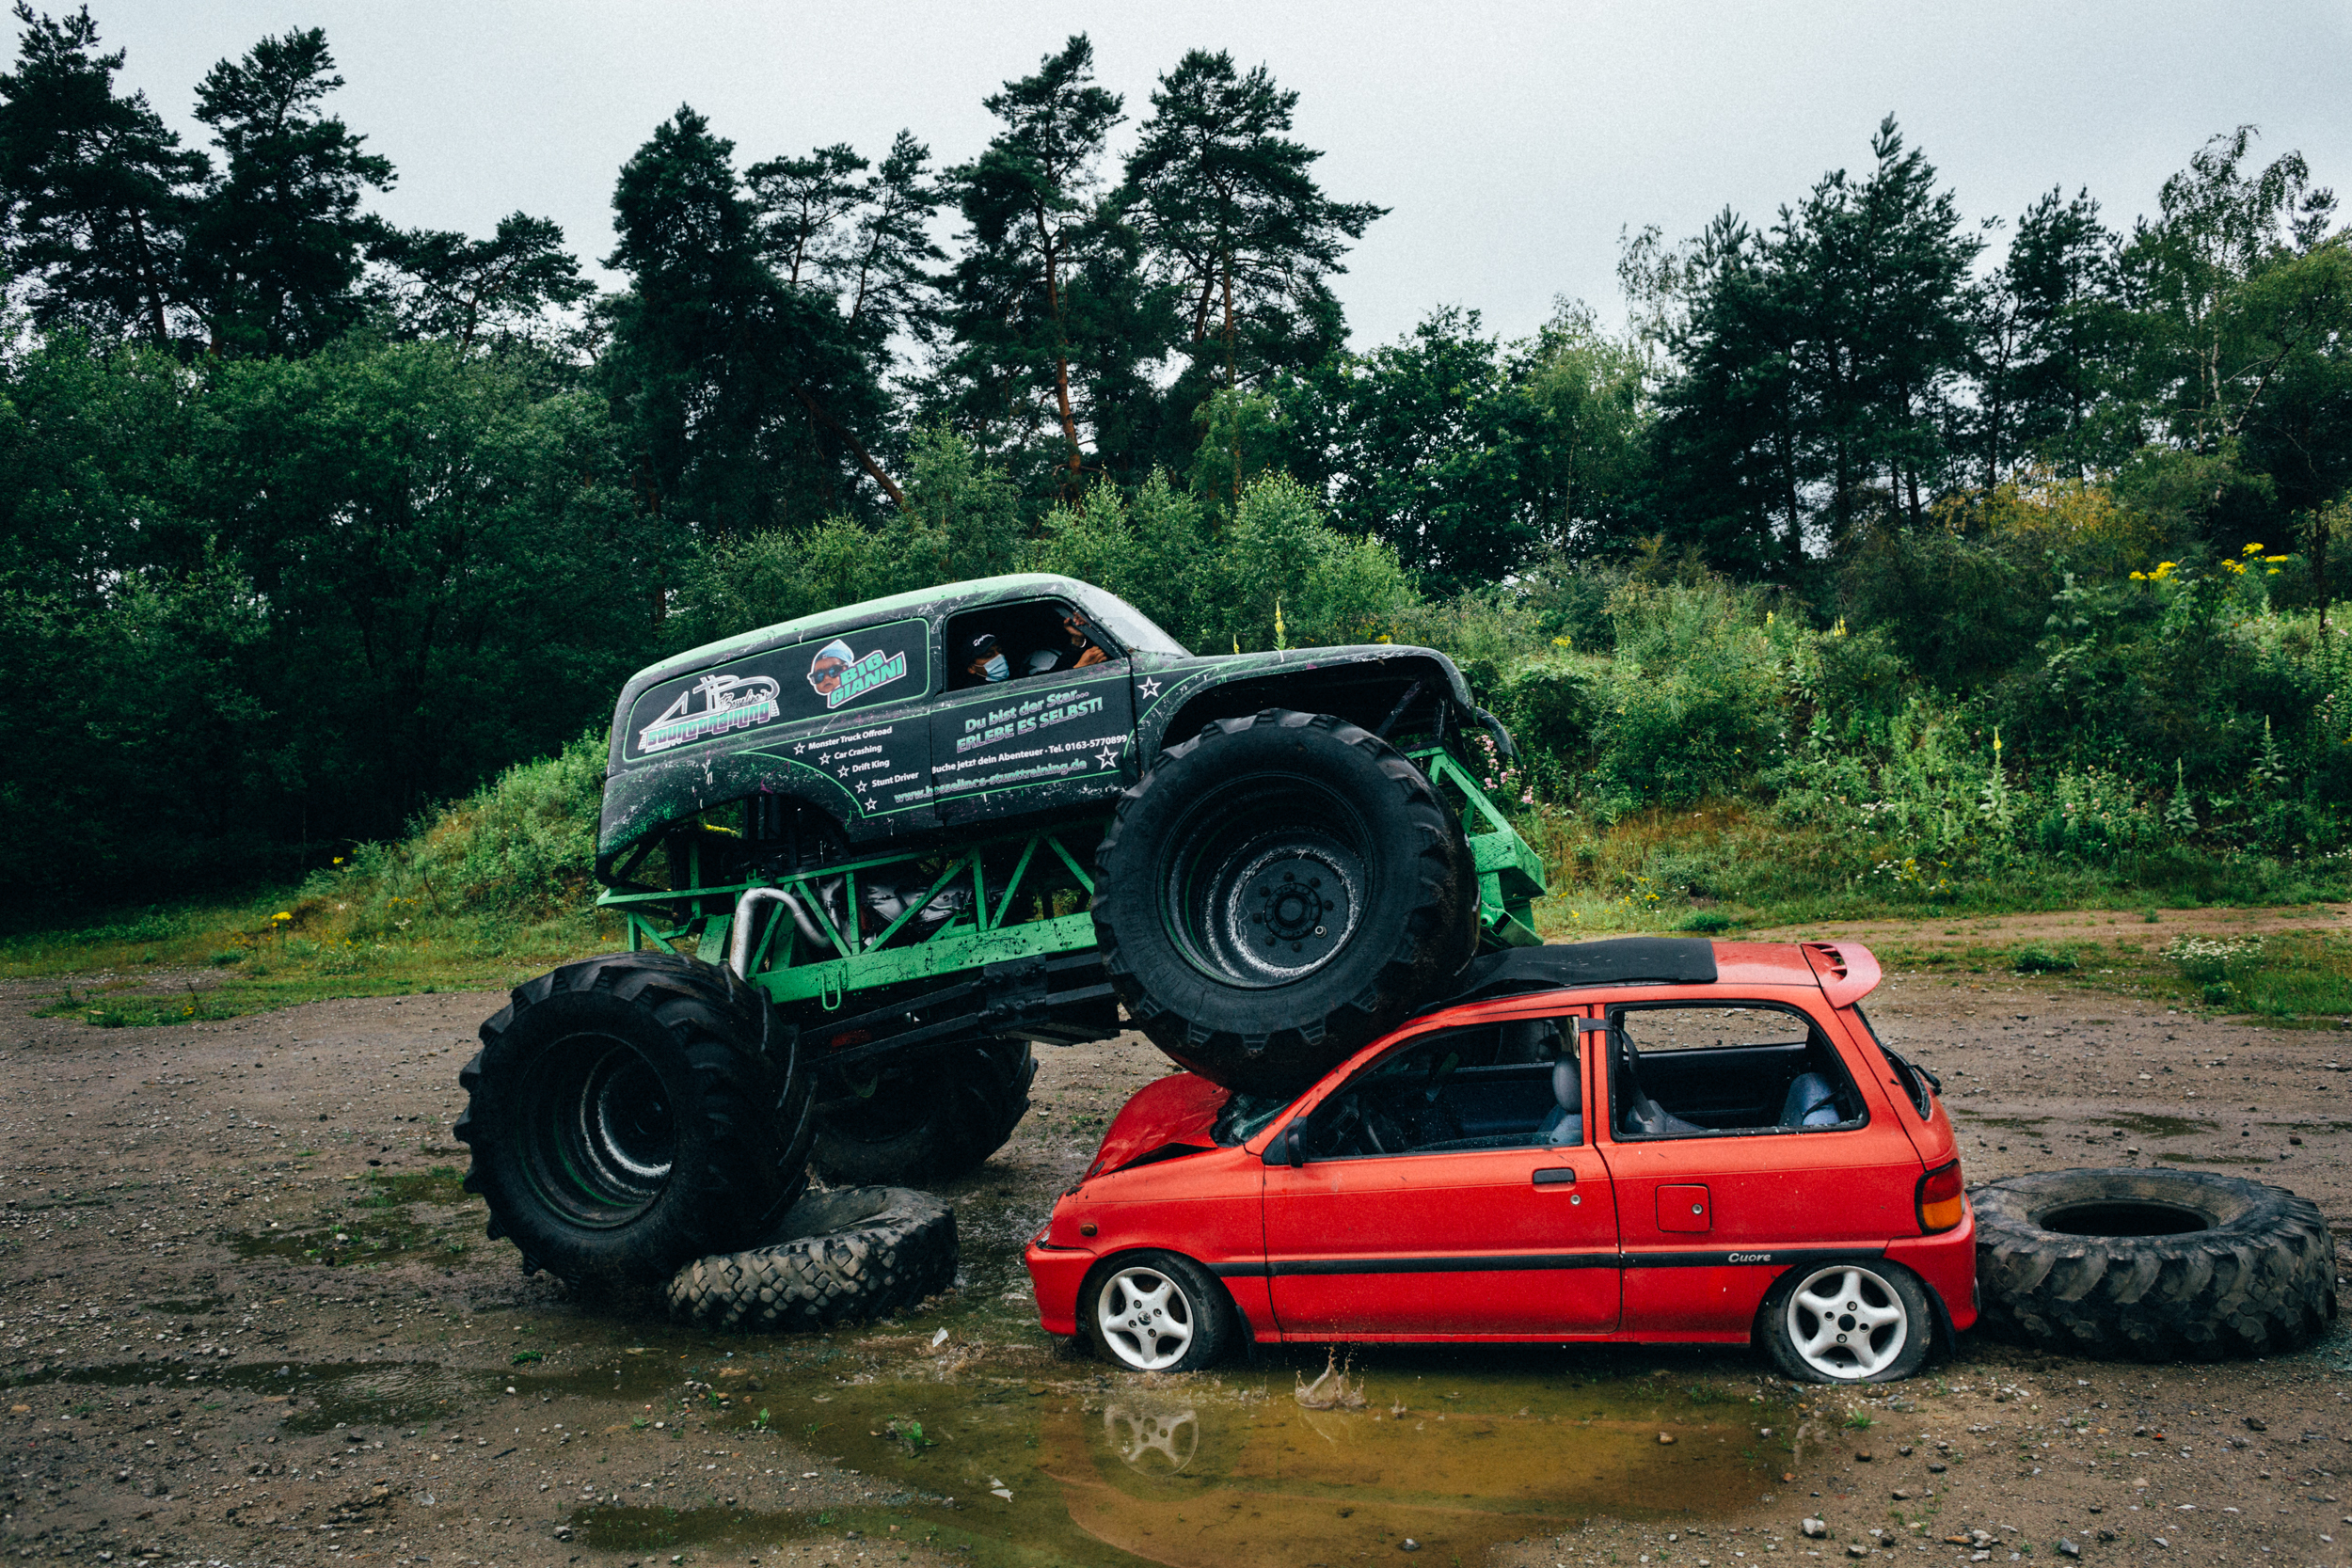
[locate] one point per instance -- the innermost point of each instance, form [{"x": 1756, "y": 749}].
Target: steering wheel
[
  {"x": 1385, "y": 1134},
  {"x": 1346, "y": 1118}
]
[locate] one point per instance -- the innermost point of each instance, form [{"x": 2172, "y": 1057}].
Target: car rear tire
[
  {"x": 1156, "y": 1312},
  {"x": 629, "y": 1112},
  {"x": 1847, "y": 1323},
  {"x": 934, "y": 1119},
  {"x": 1277, "y": 892},
  {"x": 854, "y": 1255},
  {"x": 2153, "y": 1264}
]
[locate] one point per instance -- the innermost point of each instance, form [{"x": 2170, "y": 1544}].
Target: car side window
[
  {"x": 1513, "y": 1085},
  {"x": 1033, "y": 637},
  {"x": 1677, "y": 1071}
]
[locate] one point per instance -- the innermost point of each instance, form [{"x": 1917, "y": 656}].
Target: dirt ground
[{"x": 249, "y": 1316}]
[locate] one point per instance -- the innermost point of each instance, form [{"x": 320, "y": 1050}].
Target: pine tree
[
  {"x": 1234, "y": 225},
  {"x": 1044, "y": 298},
  {"x": 279, "y": 244},
  {"x": 499, "y": 289},
  {"x": 2051, "y": 340},
  {"x": 95, "y": 191},
  {"x": 746, "y": 394}
]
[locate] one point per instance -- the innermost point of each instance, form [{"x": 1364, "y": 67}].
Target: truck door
[{"x": 1048, "y": 740}]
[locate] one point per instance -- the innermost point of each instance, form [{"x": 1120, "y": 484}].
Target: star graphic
[
  {"x": 1110, "y": 754},
  {"x": 1150, "y": 688}
]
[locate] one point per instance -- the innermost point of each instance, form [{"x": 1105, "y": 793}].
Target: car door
[
  {"x": 1035, "y": 742},
  {"x": 1712, "y": 1212},
  {"x": 1512, "y": 1239}
]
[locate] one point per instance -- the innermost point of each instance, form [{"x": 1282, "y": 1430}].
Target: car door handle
[{"x": 1555, "y": 1176}]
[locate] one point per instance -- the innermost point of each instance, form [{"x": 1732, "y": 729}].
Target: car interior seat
[
  {"x": 1810, "y": 1103},
  {"x": 1638, "y": 1114},
  {"x": 1564, "y": 1125}
]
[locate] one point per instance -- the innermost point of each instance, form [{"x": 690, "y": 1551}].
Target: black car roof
[{"x": 1620, "y": 962}]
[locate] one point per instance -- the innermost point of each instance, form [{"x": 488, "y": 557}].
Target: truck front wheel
[
  {"x": 627, "y": 1114},
  {"x": 1278, "y": 891}
]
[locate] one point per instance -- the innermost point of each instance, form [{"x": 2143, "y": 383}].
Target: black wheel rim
[
  {"x": 600, "y": 1131},
  {"x": 1264, "y": 881}
]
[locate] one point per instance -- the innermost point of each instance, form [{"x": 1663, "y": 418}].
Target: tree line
[{"x": 312, "y": 520}]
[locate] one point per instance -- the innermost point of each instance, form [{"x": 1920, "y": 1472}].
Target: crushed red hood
[{"x": 1171, "y": 1114}]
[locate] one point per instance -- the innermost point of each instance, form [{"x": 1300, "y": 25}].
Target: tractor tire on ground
[
  {"x": 629, "y": 1112},
  {"x": 856, "y": 1254},
  {"x": 938, "y": 1117},
  {"x": 1275, "y": 891},
  {"x": 2153, "y": 1264}
]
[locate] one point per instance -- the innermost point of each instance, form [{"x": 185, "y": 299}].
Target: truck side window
[{"x": 1038, "y": 637}]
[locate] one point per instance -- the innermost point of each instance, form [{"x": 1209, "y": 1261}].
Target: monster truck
[{"x": 861, "y": 879}]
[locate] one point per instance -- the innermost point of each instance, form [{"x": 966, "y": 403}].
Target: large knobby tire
[
  {"x": 856, "y": 1254},
  {"x": 629, "y": 1112},
  {"x": 2153, "y": 1264},
  {"x": 1278, "y": 891},
  {"x": 936, "y": 1117}
]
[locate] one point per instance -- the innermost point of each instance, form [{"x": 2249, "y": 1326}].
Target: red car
[{"x": 1643, "y": 1140}]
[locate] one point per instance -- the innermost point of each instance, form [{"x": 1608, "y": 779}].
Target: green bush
[
  {"x": 521, "y": 847},
  {"x": 1695, "y": 700}
]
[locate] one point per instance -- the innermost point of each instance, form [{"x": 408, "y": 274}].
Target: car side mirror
[{"x": 1294, "y": 1147}]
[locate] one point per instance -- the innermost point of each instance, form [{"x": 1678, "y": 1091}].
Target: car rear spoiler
[{"x": 1847, "y": 971}]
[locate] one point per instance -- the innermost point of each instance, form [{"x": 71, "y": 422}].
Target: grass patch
[
  {"x": 171, "y": 982},
  {"x": 2289, "y": 976},
  {"x": 483, "y": 895},
  {"x": 1736, "y": 864}
]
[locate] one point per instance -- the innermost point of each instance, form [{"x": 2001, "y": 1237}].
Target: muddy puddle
[
  {"x": 390, "y": 1218},
  {"x": 1455, "y": 1453}
]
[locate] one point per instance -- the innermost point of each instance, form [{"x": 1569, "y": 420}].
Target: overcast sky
[{"x": 1512, "y": 142}]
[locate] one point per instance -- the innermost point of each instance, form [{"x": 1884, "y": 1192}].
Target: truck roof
[{"x": 959, "y": 595}]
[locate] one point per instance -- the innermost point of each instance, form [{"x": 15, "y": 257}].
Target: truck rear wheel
[
  {"x": 1275, "y": 891},
  {"x": 631, "y": 1112},
  {"x": 934, "y": 1119}
]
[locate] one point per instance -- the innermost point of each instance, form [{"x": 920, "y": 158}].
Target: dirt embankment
[{"x": 247, "y": 1314}]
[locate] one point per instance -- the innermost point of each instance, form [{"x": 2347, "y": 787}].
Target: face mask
[{"x": 997, "y": 668}]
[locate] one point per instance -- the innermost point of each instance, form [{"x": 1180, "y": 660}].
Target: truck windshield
[{"x": 1135, "y": 630}]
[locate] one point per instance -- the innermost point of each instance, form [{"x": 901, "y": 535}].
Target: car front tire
[
  {"x": 1847, "y": 1323},
  {"x": 1157, "y": 1312}
]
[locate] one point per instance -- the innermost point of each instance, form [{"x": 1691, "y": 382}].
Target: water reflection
[{"x": 1192, "y": 1471}]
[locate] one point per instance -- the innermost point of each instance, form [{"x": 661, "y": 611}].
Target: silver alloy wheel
[
  {"x": 1846, "y": 1323},
  {"x": 1144, "y": 1318}
]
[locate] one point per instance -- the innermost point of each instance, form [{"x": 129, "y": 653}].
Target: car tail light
[{"x": 1943, "y": 1198}]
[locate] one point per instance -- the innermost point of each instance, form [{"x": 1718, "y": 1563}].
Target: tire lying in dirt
[
  {"x": 935, "y": 1118},
  {"x": 2153, "y": 1264},
  {"x": 631, "y": 1112},
  {"x": 1275, "y": 891},
  {"x": 859, "y": 1253}
]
